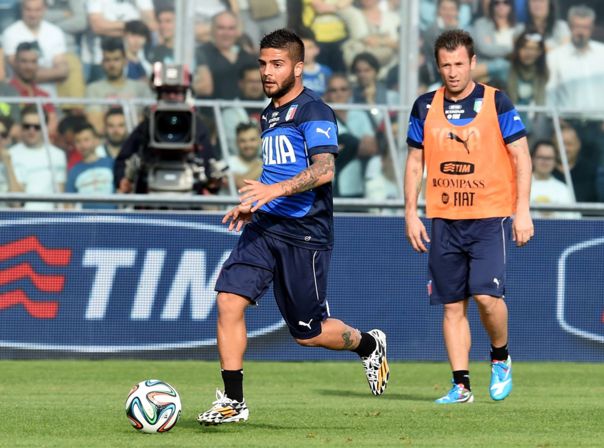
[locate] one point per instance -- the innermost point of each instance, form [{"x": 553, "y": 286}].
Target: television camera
[{"x": 169, "y": 156}]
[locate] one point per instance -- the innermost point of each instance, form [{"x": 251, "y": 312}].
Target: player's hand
[
  {"x": 416, "y": 233},
  {"x": 522, "y": 228},
  {"x": 370, "y": 92},
  {"x": 238, "y": 216},
  {"x": 255, "y": 194},
  {"x": 125, "y": 186}
]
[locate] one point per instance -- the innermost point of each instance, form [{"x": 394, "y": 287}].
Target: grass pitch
[{"x": 327, "y": 404}]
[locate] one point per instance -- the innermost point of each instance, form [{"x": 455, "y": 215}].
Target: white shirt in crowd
[
  {"x": 33, "y": 172},
  {"x": 576, "y": 78},
  {"x": 551, "y": 191},
  {"x": 114, "y": 10},
  {"x": 51, "y": 42}
]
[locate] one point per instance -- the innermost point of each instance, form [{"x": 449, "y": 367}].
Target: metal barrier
[
  {"x": 397, "y": 154},
  {"x": 198, "y": 202}
]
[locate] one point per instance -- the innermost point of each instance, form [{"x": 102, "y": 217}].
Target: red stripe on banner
[
  {"x": 53, "y": 257},
  {"x": 46, "y": 283},
  {"x": 39, "y": 310}
]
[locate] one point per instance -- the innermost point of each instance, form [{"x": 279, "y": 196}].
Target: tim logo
[
  {"x": 114, "y": 283},
  {"x": 580, "y": 306},
  {"x": 457, "y": 168},
  {"x": 10, "y": 277}
]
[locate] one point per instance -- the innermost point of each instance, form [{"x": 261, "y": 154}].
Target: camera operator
[{"x": 170, "y": 150}]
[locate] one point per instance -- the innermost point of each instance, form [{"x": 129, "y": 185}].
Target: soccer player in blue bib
[{"x": 288, "y": 233}]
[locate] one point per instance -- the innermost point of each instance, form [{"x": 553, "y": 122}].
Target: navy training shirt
[
  {"x": 460, "y": 113},
  {"x": 291, "y": 135}
]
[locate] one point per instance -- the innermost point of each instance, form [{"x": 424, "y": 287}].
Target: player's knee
[
  {"x": 487, "y": 304},
  {"x": 230, "y": 304},
  {"x": 454, "y": 311}
]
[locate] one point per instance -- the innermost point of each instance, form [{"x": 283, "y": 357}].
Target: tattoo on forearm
[
  {"x": 322, "y": 165},
  {"x": 347, "y": 337}
]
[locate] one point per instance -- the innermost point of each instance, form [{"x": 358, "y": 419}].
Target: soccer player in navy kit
[{"x": 288, "y": 233}]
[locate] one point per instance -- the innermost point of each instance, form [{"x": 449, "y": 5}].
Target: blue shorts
[
  {"x": 467, "y": 257},
  {"x": 299, "y": 275}
]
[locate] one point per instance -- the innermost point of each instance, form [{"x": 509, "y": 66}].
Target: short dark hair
[
  {"x": 111, "y": 44},
  {"x": 245, "y": 126},
  {"x": 451, "y": 40},
  {"x": 543, "y": 142},
  {"x": 84, "y": 126},
  {"x": 164, "y": 8},
  {"x": 138, "y": 28},
  {"x": 367, "y": 57},
  {"x": 32, "y": 109},
  {"x": 113, "y": 111},
  {"x": 285, "y": 39},
  {"x": 28, "y": 46},
  {"x": 69, "y": 123}
]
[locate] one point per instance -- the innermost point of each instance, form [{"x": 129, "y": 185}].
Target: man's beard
[
  {"x": 114, "y": 142},
  {"x": 29, "y": 79},
  {"x": 248, "y": 157},
  {"x": 580, "y": 42},
  {"x": 287, "y": 85},
  {"x": 114, "y": 76}
]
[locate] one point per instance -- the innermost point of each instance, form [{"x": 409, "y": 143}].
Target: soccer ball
[{"x": 153, "y": 406}]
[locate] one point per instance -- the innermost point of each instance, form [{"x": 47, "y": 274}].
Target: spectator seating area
[{"x": 88, "y": 59}]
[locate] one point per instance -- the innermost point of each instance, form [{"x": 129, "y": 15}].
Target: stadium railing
[{"x": 397, "y": 152}]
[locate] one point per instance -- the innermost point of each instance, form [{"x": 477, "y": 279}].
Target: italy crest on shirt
[
  {"x": 291, "y": 112},
  {"x": 477, "y": 105}
]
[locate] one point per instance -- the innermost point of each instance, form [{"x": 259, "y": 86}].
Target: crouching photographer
[{"x": 169, "y": 151}]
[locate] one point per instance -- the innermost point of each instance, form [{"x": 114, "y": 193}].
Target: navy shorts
[
  {"x": 299, "y": 276},
  {"x": 467, "y": 257}
]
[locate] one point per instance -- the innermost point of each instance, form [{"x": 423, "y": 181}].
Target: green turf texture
[{"x": 296, "y": 404}]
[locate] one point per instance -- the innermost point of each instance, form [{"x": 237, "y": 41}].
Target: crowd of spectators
[
  {"x": 104, "y": 50},
  {"x": 539, "y": 57}
]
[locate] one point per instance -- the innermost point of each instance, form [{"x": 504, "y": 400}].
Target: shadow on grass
[
  {"x": 387, "y": 395},
  {"x": 192, "y": 424},
  {"x": 297, "y": 427},
  {"x": 247, "y": 426}
]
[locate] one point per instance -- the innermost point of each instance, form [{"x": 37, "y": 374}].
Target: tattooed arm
[{"x": 321, "y": 171}]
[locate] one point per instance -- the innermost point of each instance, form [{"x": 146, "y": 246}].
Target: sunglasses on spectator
[
  {"x": 173, "y": 90},
  {"x": 501, "y": 2},
  {"x": 35, "y": 126}
]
